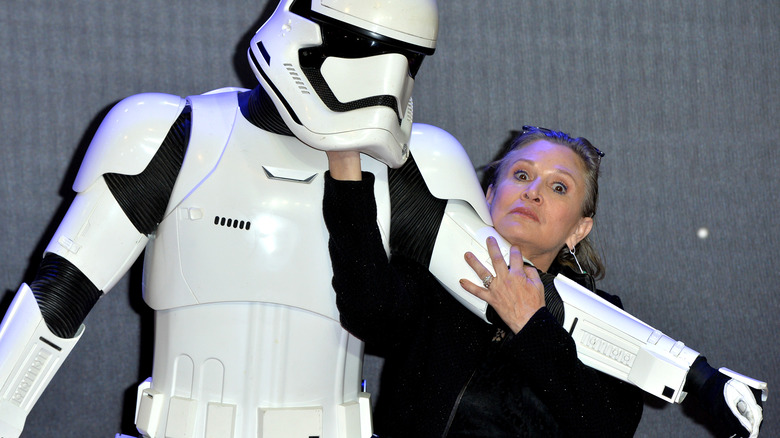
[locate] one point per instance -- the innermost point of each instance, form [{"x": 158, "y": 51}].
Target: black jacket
[{"x": 445, "y": 366}]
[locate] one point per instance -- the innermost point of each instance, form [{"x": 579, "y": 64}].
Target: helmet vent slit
[{"x": 297, "y": 78}]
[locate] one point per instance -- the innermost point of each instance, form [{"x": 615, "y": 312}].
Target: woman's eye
[
  {"x": 522, "y": 175},
  {"x": 559, "y": 188}
]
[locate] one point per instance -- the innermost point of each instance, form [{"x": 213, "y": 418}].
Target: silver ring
[{"x": 487, "y": 280}]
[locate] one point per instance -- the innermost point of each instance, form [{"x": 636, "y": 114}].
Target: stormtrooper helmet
[{"x": 341, "y": 72}]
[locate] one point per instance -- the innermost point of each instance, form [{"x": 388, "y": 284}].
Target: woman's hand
[
  {"x": 344, "y": 165},
  {"x": 515, "y": 293}
]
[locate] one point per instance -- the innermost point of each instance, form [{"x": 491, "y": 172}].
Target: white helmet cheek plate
[{"x": 355, "y": 79}]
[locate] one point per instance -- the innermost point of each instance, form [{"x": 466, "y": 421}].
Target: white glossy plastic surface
[
  {"x": 128, "y": 137},
  {"x": 97, "y": 237},
  {"x": 386, "y": 18},
  {"x": 749, "y": 381},
  {"x": 449, "y": 174},
  {"x": 393, "y": 83},
  {"x": 616, "y": 343},
  {"x": 460, "y": 231},
  {"x": 447, "y": 169}
]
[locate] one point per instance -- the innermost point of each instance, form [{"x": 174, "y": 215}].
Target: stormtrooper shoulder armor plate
[
  {"x": 435, "y": 150},
  {"x": 129, "y": 136}
]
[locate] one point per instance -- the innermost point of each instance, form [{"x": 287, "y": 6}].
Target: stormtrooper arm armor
[
  {"x": 614, "y": 342},
  {"x": 93, "y": 247},
  {"x": 607, "y": 338}
]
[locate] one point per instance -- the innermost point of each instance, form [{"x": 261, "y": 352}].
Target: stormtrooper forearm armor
[
  {"x": 607, "y": 338},
  {"x": 30, "y": 355}
]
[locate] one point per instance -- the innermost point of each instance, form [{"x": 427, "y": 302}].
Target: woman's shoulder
[
  {"x": 614, "y": 299},
  {"x": 587, "y": 281}
]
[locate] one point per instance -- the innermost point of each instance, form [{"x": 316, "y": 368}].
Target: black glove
[{"x": 734, "y": 406}]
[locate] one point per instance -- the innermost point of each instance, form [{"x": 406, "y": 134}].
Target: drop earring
[{"x": 571, "y": 250}]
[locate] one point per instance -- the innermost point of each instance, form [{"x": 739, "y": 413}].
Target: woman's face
[{"x": 536, "y": 202}]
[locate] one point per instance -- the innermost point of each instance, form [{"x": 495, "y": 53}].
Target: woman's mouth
[{"x": 527, "y": 212}]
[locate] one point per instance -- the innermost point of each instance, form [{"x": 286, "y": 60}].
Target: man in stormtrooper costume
[{"x": 223, "y": 191}]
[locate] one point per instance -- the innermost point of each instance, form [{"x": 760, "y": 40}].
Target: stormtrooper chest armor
[{"x": 249, "y": 228}]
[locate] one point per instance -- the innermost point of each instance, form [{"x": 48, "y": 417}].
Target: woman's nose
[{"x": 531, "y": 192}]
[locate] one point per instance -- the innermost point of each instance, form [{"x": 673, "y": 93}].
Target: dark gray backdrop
[{"x": 682, "y": 96}]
